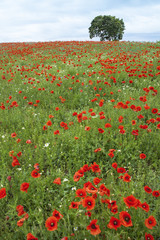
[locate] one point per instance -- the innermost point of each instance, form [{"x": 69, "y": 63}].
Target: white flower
[
  {"x": 73, "y": 188},
  {"x": 3, "y": 136},
  {"x": 65, "y": 180},
  {"x": 46, "y": 144}
]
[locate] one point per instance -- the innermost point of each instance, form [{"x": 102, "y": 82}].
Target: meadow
[{"x": 79, "y": 140}]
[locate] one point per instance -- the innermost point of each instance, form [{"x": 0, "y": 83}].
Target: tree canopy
[{"x": 107, "y": 28}]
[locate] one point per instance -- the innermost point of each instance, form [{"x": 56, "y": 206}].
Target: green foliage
[{"x": 107, "y": 28}]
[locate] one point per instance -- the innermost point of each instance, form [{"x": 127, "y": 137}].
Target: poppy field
[{"x": 79, "y": 140}]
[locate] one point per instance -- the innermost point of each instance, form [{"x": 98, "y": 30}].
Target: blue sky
[{"x": 65, "y": 20}]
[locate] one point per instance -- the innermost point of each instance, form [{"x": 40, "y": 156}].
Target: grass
[{"x": 56, "y": 99}]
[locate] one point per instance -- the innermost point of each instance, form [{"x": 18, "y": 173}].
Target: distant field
[{"x": 80, "y": 135}]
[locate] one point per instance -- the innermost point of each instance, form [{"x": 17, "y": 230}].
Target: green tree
[{"x": 107, "y": 28}]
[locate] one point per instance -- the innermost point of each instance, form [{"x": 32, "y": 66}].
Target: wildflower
[
  {"x": 51, "y": 223},
  {"x": 13, "y": 135},
  {"x": 114, "y": 223},
  {"x": 88, "y": 202},
  {"x": 20, "y": 222},
  {"x": 57, "y": 181},
  {"x": 125, "y": 219},
  {"x": 95, "y": 167},
  {"x": 31, "y": 237},
  {"x": 142, "y": 156},
  {"x": 144, "y": 206},
  {"x": 2, "y": 193},
  {"x": 93, "y": 227},
  {"x": 156, "y": 193},
  {"x": 57, "y": 215},
  {"x": 114, "y": 165},
  {"x": 108, "y": 125},
  {"x": 74, "y": 205},
  {"x": 80, "y": 193},
  {"x": 147, "y": 189},
  {"x": 121, "y": 170},
  {"x": 24, "y": 187},
  {"x": 131, "y": 201},
  {"x": 154, "y": 110},
  {"x": 150, "y": 222},
  {"x": 35, "y": 174},
  {"x": 96, "y": 180},
  {"x": 100, "y": 130},
  {"x": 126, "y": 177},
  {"x": 148, "y": 236}
]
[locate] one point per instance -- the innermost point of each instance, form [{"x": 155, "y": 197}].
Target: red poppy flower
[
  {"x": 88, "y": 202},
  {"x": 108, "y": 125},
  {"x": 35, "y": 174},
  {"x": 20, "y": 222},
  {"x": 154, "y": 110},
  {"x": 31, "y": 237},
  {"x": 121, "y": 170},
  {"x": 147, "y": 189},
  {"x": 88, "y": 213},
  {"x": 133, "y": 122},
  {"x": 57, "y": 215},
  {"x": 114, "y": 165},
  {"x": 95, "y": 167},
  {"x": 125, "y": 219},
  {"x": 97, "y": 150},
  {"x": 57, "y": 181},
  {"x": 87, "y": 184},
  {"x": 135, "y": 132},
  {"x": 111, "y": 154},
  {"x": 144, "y": 206},
  {"x": 77, "y": 176},
  {"x": 2, "y": 193},
  {"x": 148, "y": 236},
  {"x": 81, "y": 172},
  {"x": 103, "y": 190},
  {"x": 126, "y": 177},
  {"x": 96, "y": 180},
  {"x": 51, "y": 223},
  {"x": 49, "y": 123},
  {"x": 156, "y": 193},
  {"x": 15, "y": 163},
  {"x": 142, "y": 156},
  {"x": 100, "y": 130},
  {"x": 114, "y": 223},
  {"x": 87, "y": 128},
  {"x": 19, "y": 154},
  {"x": 74, "y": 205},
  {"x": 93, "y": 227},
  {"x": 45, "y": 128},
  {"x": 131, "y": 201},
  {"x": 36, "y": 166},
  {"x": 150, "y": 222},
  {"x": 80, "y": 193},
  {"x": 86, "y": 168},
  {"x": 24, "y": 187},
  {"x": 114, "y": 210},
  {"x": 13, "y": 135},
  {"x": 91, "y": 189},
  {"x": 56, "y": 132}
]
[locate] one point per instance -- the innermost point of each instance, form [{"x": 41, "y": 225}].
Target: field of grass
[{"x": 80, "y": 140}]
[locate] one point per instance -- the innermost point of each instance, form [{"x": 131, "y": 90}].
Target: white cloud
[{"x": 49, "y": 20}]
